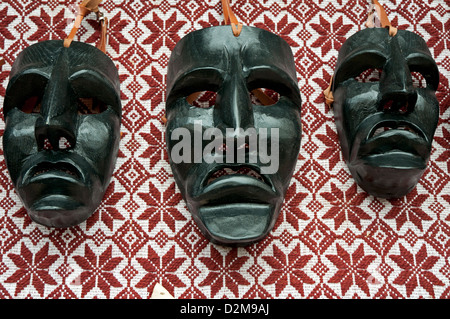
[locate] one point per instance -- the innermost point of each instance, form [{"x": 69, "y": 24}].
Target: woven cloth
[{"x": 331, "y": 240}]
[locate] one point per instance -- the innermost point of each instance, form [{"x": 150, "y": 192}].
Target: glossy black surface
[
  {"x": 234, "y": 209},
  {"x": 386, "y": 127},
  {"x": 61, "y": 184}
]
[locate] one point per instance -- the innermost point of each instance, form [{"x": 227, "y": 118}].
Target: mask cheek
[
  {"x": 354, "y": 102},
  {"x": 283, "y": 140},
  {"x": 19, "y": 141},
  {"x": 98, "y": 142},
  {"x": 427, "y": 107}
]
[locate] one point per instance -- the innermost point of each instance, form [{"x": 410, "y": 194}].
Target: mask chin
[
  {"x": 60, "y": 211},
  {"x": 240, "y": 223},
  {"x": 385, "y": 182}
]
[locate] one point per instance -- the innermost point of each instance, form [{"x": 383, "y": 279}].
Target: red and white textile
[{"x": 332, "y": 240}]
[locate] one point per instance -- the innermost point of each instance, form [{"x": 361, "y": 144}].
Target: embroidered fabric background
[{"x": 332, "y": 240}]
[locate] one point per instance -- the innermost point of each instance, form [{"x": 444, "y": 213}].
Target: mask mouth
[
  {"x": 390, "y": 136},
  {"x": 237, "y": 184},
  {"x": 234, "y": 171},
  {"x": 63, "y": 169},
  {"x": 237, "y": 205},
  {"x": 396, "y": 127},
  {"x": 393, "y": 143}
]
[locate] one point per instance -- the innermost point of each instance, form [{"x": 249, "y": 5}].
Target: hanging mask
[
  {"x": 62, "y": 113},
  {"x": 233, "y": 156},
  {"x": 385, "y": 127}
]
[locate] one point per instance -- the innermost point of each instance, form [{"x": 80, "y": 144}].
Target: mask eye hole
[
  {"x": 202, "y": 99},
  {"x": 31, "y": 105},
  {"x": 369, "y": 75},
  {"x": 264, "y": 96},
  {"x": 90, "y": 106},
  {"x": 418, "y": 80}
]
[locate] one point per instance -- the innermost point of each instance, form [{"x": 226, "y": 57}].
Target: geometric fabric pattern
[{"x": 331, "y": 240}]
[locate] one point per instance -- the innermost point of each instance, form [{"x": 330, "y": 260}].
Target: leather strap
[
  {"x": 260, "y": 95},
  {"x": 191, "y": 98},
  {"x": 328, "y": 93},
  {"x": 384, "y": 20},
  {"x": 104, "y": 25},
  {"x": 236, "y": 27},
  {"x": 263, "y": 97},
  {"x": 86, "y": 7},
  {"x": 230, "y": 18},
  {"x": 385, "y": 23}
]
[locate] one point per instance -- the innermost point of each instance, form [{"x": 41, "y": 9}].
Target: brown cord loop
[
  {"x": 236, "y": 27},
  {"x": 263, "y": 97},
  {"x": 230, "y": 18},
  {"x": 86, "y": 7},
  {"x": 104, "y": 25},
  {"x": 385, "y": 23},
  {"x": 384, "y": 20},
  {"x": 328, "y": 93}
]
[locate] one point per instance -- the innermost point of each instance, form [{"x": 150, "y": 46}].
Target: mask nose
[
  {"x": 398, "y": 94},
  {"x": 55, "y": 128},
  {"x": 53, "y": 135},
  {"x": 233, "y": 105}
]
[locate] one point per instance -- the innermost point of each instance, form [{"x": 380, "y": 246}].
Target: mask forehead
[
  {"x": 372, "y": 47},
  {"x": 80, "y": 56},
  {"x": 83, "y": 64},
  {"x": 217, "y": 51}
]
